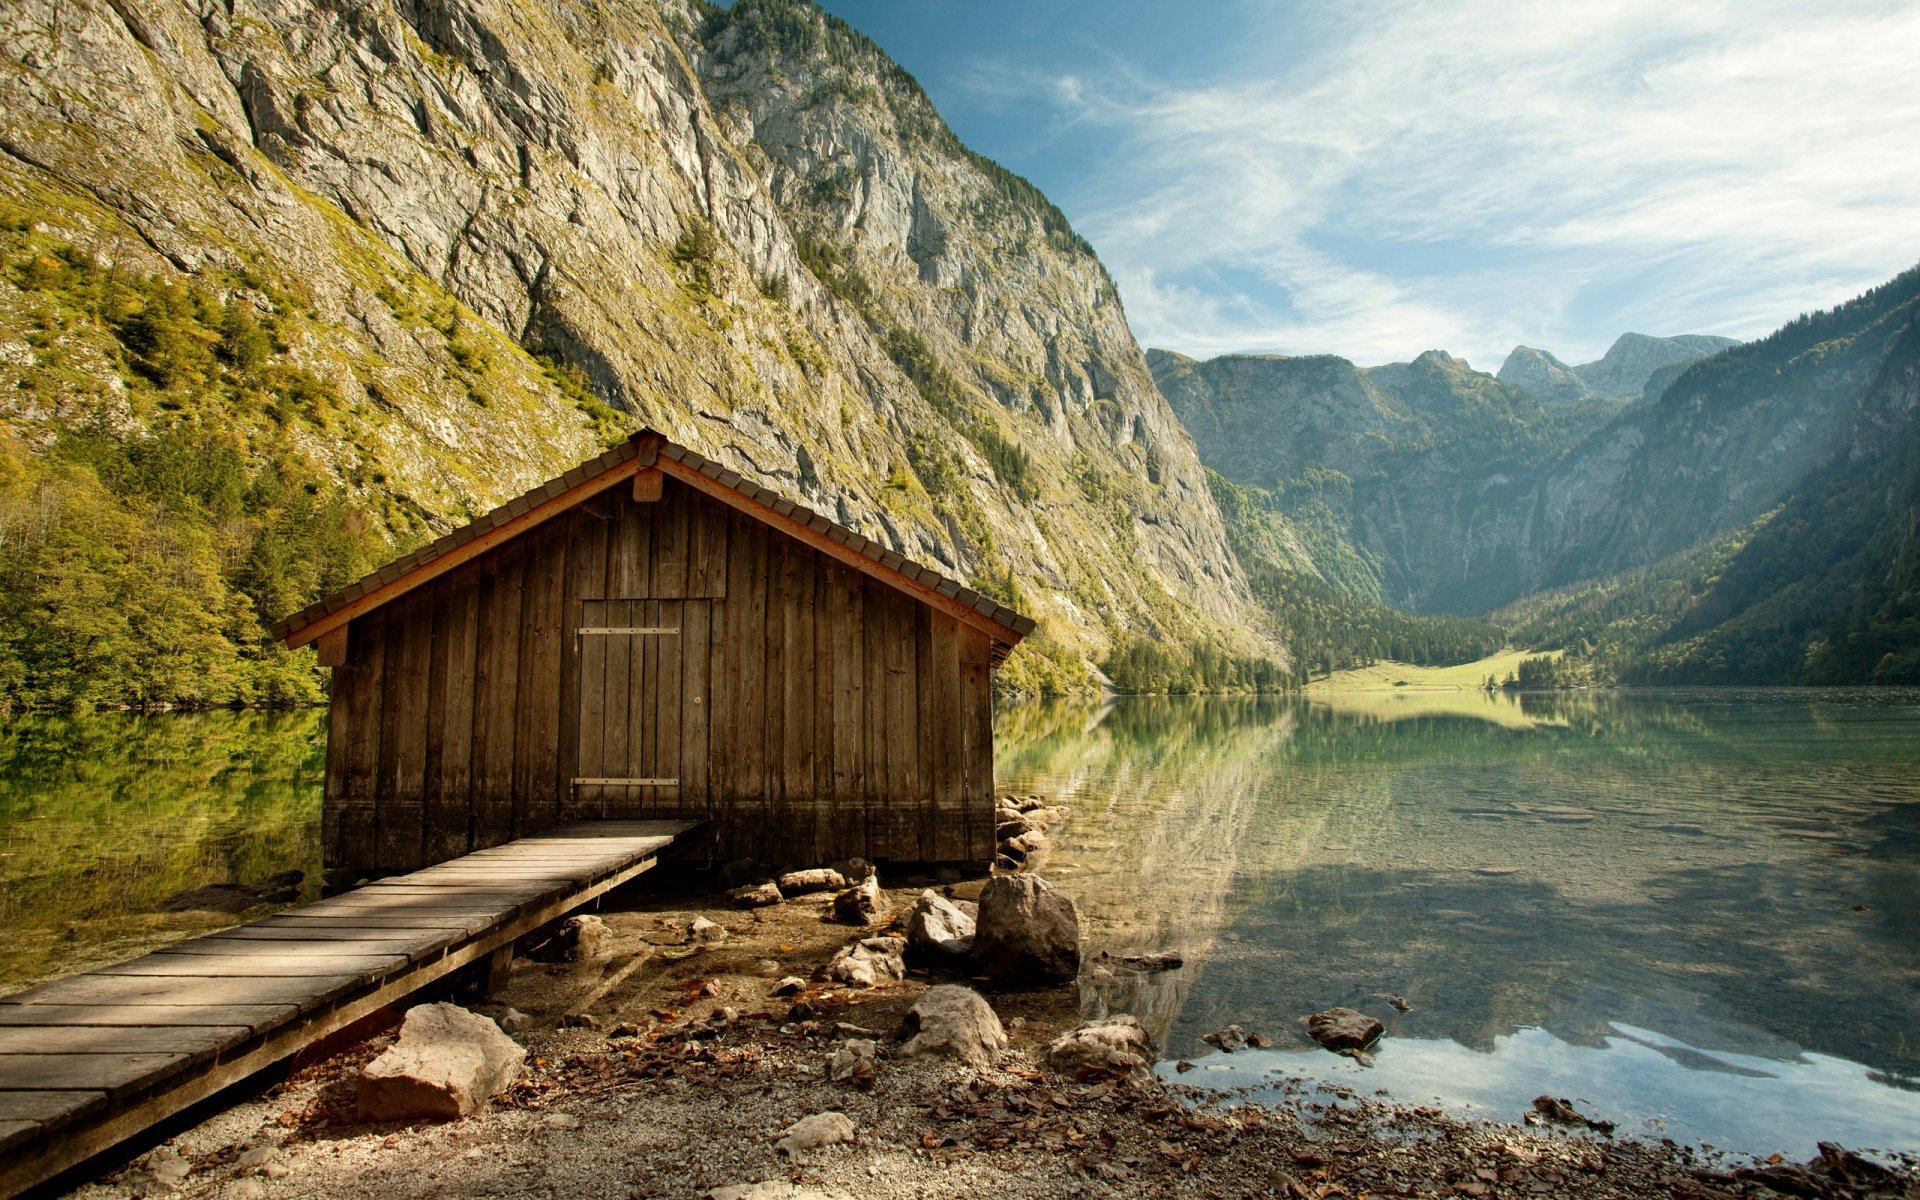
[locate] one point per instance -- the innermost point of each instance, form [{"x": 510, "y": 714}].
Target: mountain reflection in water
[{"x": 1696, "y": 910}]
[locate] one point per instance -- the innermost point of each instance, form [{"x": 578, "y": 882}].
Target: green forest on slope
[{"x": 143, "y": 570}]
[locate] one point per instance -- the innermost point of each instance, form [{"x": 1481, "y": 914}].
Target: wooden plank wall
[{"x": 817, "y": 712}]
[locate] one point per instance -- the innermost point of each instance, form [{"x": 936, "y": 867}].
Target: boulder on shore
[
  {"x": 955, "y": 1021},
  {"x": 811, "y": 1133},
  {"x": 939, "y": 928},
  {"x": 1026, "y": 932},
  {"x": 756, "y": 895},
  {"x": 870, "y": 962},
  {"x": 446, "y": 1064},
  {"x": 862, "y": 904},
  {"x": 819, "y": 879},
  {"x": 1119, "y": 1044},
  {"x": 1343, "y": 1029}
]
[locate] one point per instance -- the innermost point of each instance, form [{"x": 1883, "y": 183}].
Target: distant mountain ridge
[
  {"x": 1750, "y": 516},
  {"x": 1633, "y": 362}
]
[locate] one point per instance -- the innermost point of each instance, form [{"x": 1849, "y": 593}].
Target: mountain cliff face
[
  {"x": 473, "y": 241},
  {"x": 1408, "y": 480},
  {"x": 1633, "y": 362},
  {"x": 1751, "y": 514}
]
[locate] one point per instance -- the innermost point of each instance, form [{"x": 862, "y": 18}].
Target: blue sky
[{"x": 1376, "y": 178}]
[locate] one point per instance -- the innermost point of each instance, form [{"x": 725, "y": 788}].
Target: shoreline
[{"x": 639, "y": 1086}]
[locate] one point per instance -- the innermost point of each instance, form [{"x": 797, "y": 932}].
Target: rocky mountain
[
  {"x": 398, "y": 261},
  {"x": 1405, "y": 481},
  {"x": 1748, "y": 508},
  {"x": 1633, "y": 363}
]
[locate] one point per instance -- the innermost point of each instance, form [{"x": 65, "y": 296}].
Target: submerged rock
[
  {"x": 1026, "y": 932},
  {"x": 1343, "y": 1029},
  {"x": 446, "y": 1064}
]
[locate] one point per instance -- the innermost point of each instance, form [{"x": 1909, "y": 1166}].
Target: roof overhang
[{"x": 650, "y": 451}]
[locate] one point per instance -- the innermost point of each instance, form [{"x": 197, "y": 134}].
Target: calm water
[
  {"x": 105, "y": 818},
  {"x": 1698, "y": 913}
]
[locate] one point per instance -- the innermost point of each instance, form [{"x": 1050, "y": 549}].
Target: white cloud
[{"x": 1474, "y": 174}]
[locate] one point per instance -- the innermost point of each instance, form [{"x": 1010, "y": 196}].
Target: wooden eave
[{"x": 651, "y": 449}]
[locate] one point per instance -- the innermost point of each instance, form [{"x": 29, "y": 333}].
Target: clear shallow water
[{"x": 1697, "y": 912}]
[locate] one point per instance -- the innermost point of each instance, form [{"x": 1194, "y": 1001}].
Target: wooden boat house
[{"x": 653, "y": 636}]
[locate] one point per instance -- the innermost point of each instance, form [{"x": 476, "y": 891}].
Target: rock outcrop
[
  {"x": 446, "y": 1064},
  {"x": 1026, "y": 932},
  {"x": 488, "y": 238},
  {"x": 954, "y": 1021}
]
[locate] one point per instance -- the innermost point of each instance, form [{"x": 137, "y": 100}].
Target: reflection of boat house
[{"x": 651, "y": 635}]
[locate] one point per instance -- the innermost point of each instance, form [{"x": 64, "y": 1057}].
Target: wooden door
[{"x": 642, "y": 708}]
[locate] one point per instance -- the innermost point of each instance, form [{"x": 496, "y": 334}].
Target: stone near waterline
[
  {"x": 756, "y": 895},
  {"x": 862, "y": 904},
  {"x": 870, "y": 962},
  {"x": 1028, "y": 844},
  {"x": 1119, "y": 1043},
  {"x": 1230, "y": 1040},
  {"x": 1161, "y": 960},
  {"x": 446, "y": 1063},
  {"x": 1013, "y": 828},
  {"x": 1343, "y": 1029},
  {"x": 938, "y": 928},
  {"x": 1399, "y": 1002},
  {"x": 1026, "y": 932},
  {"x": 954, "y": 1021},
  {"x": 811, "y": 1133},
  {"x": 819, "y": 879}
]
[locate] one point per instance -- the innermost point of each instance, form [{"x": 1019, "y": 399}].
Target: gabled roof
[{"x": 645, "y": 450}]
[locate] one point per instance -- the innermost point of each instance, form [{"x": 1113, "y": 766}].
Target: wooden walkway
[{"x": 92, "y": 1059}]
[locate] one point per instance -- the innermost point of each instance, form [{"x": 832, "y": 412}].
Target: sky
[{"x": 1375, "y": 178}]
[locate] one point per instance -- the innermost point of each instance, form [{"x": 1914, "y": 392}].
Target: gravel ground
[{"x": 662, "y": 1096}]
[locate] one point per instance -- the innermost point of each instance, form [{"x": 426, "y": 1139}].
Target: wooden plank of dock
[{"x": 92, "y": 1059}]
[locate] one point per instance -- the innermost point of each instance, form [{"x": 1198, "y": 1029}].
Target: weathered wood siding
[{"x": 808, "y": 710}]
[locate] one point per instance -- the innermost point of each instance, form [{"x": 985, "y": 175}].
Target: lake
[{"x": 1696, "y": 913}]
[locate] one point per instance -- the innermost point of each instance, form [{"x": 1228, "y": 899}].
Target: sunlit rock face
[{"x": 749, "y": 229}]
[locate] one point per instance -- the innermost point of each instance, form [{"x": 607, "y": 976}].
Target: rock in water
[
  {"x": 1230, "y": 1040},
  {"x": 1119, "y": 1043},
  {"x": 862, "y": 904},
  {"x": 756, "y": 895},
  {"x": 956, "y": 1021},
  {"x": 1343, "y": 1029},
  {"x": 446, "y": 1064},
  {"x": 936, "y": 927},
  {"x": 820, "y": 879},
  {"x": 1026, "y": 932},
  {"x": 811, "y": 1133},
  {"x": 870, "y": 962}
]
